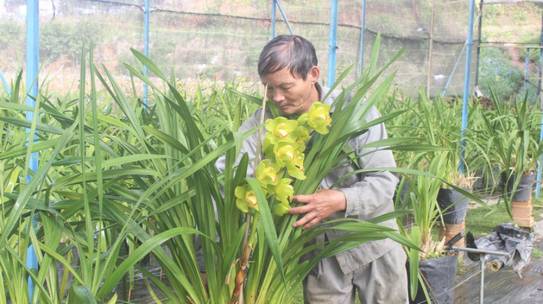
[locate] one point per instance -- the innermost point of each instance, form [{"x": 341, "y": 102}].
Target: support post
[
  {"x": 540, "y": 64},
  {"x": 32, "y": 66},
  {"x": 361, "y": 45},
  {"x": 479, "y": 34},
  {"x": 467, "y": 78},
  {"x": 284, "y": 16},
  {"x": 526, "y": 68},
  {"x": 332, "y": 43},
  {"x": 146, "y": 22},
  {"x": 482, "y": 286},
  {"x": 430, "y": 50},
  {"x": 540, "y": 157},
  {"x": 273, "y": 18}
]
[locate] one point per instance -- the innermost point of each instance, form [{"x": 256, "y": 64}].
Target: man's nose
[{"x": 277, "y": 96}]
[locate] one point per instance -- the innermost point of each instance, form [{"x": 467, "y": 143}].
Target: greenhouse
[{"x": 271, "y": 151}]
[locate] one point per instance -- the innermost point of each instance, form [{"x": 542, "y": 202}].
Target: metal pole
[
  {"x": 455, "y": 66},
  {"x": 32, "y": 64},
  {"x": 540, "y": 70},
  {"x": 467, "y": 76},
  {"x": 526, "y": 68},
  {"x": 482, "y": 254},
  {"x": 273, "y": 17},
  {"x": 361, "y": 46},
  {"x": 482, "y": 259},
  {"x": 540, "y": 162},
  {"x": 284, "y": 16},
  {"x": 479, "y": 33},
  {"x": 5, "y": 84},
  {"x": 332, "y": 45},
  {"x": 430, "y": 49},
  {"x": 145, "y": 49},
  {"x": 540, "y": 157}
]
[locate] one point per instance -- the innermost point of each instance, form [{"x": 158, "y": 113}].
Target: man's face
[{"x": 291, "y": 93}]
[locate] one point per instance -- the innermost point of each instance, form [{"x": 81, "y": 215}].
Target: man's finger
[
  {"x": 300, "y": 210},
  {"x": 303, "y": 198},
  {"x": 304, "y": 220},
  {"x": 312, "y": 223}
]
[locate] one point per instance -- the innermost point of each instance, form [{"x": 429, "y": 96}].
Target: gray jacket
[{"x": 368, "y": 195}]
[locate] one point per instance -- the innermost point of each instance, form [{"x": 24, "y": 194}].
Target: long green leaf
[
  {"x": 266, "y": 224},
  {"x": 26, "y": 193}
]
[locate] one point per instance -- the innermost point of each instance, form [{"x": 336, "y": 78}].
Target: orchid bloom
[
  {"x": 245, "y": 198},
  {"x": 318, "y": 117}
]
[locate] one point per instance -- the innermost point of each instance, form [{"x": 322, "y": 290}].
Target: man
[{"x": 289, "y": 68}]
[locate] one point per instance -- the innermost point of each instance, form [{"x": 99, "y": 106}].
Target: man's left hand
[{"x": 318, "y": 206}]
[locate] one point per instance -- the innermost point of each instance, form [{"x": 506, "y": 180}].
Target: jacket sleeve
[{"x": 372, "y": 194}]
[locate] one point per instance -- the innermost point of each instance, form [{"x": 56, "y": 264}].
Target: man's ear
[{"x": 314, "y": 74}]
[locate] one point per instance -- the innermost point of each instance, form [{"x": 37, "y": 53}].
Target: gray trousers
[{"x": 384, "y": 280}]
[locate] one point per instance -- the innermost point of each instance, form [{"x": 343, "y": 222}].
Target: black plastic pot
[
  {"x": 525, "y": 186},
  {"x": 439, "y": 275},
  {"x": 453, "y": 204},
  {"x": 484, "y": 183}
]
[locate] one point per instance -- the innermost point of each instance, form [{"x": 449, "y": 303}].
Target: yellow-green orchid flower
[
  {"x": 245, "y": 198},
  {"x": 296, "y": 171},
  {"x": 280, "y": 129},
  {"x": 284, "y": 191},
  {"x": 267, "y": 173},
  {"x": 318, "y": 117},
  {"x": 280, "y": 209},
  {"x": 289, "y": 156},
  {"x": 285, "y": 153},
  {"x": 268, "y": 146},
  {"x": 302, "y": 135}
]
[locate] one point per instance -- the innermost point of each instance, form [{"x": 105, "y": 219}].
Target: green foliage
[
  {"x": 11, "y": 34},
  {"x": 497, "y": 73},
  {"x": 532, "y": 54},
  {"x": 67, "y": 39},
  {"x": 113, "y": 188},
  {"x": 217, "y": 107}
]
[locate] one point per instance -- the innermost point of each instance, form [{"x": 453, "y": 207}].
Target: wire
[{"x": 315, "y": 23}]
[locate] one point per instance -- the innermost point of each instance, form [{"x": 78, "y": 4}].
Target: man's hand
[{"x": 318, "y": 206}]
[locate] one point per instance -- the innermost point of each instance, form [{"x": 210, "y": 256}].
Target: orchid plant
[
  {"x": 284, "y": 147},
  {"x": 145, "y": 178}
]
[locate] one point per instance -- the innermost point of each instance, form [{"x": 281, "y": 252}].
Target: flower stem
[{"x": 248, "y": 240}]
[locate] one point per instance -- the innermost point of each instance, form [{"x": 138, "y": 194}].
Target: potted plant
[
  {"x": 454, "y": 204},
  {"x": 509, "y": 140},
  {"x": 434, "y": 269},
  {"x": 439, "y": 125}
]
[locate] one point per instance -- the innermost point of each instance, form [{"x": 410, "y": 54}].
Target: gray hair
[{"x": 287, "y": 51}]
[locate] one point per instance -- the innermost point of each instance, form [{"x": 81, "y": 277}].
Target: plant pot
[
  {"x": 521, "y": 200},
  {"x": 439, "y": 274},
  {"x": 525, "y": 187},
  {"x": 487, "y": 183},
  {"x": 449, "y": 231},
  {"x": 453, "y": 204}
]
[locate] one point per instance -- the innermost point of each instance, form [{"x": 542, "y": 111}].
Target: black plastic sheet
[{"x": 513, "y": 240}]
